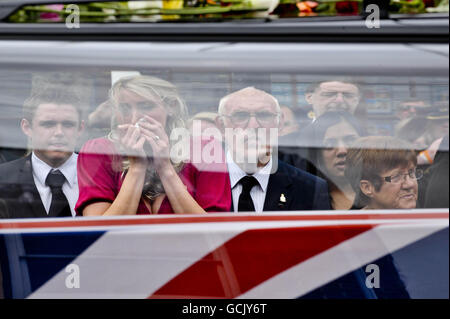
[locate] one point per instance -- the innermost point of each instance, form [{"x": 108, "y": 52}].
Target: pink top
[{"x": 100, "y": 179}]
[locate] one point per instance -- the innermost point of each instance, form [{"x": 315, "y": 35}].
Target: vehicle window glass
[{"x": 328, "y": 107}]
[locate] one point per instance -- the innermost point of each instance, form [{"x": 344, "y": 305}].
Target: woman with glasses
[
  {"x": 131, "y": 171},
  {"x": 331, "y": 134},
  {"x": 382, "y": 171}
]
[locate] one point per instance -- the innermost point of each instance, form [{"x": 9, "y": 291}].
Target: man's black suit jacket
[
  {"x": 19, "y": 197},
  {"x": 301, "y": 190}
]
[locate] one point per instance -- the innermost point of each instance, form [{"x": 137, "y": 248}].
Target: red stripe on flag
[
  {"x": 212, "y": 218},
  {"x": 251, "y": 258}
]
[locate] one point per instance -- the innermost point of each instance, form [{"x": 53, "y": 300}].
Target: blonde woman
[{"x": 130, "y": 171}]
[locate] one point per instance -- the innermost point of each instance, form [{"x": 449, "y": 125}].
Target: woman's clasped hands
[{"x": 146, "y": 139}]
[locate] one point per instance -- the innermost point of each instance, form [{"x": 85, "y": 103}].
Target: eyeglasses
[
  {"x": 264, "y": 118},
  {"x": 399, "y": 178},
  {"x": 332, "y": 94},
  {"x": 332, "y": 143}
]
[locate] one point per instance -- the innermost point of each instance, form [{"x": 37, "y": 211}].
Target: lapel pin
[{"x": 282, "y": 199}]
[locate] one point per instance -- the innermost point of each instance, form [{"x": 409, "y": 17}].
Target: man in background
[
  {"x": 333, "y": 95},
  {"x": 410, "y": 108}
]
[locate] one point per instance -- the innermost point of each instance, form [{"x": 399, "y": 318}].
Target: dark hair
[
  {"x": 314, "y": 85},
  {"x": 55, "y": 95},
  {"x": 316, "y": 131},
  {"x": 370, "y": 156},
  {"x": 319, "y": 127}
]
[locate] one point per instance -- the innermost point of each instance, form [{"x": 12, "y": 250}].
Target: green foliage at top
[{"x": 204, "y": 10}]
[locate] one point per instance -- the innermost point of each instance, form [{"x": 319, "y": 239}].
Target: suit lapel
[
  {"x": 30, "y": 197},
  {"x": 278, "y": 196},
  {"x": 277, "y": 190},
  {"x": 231, "y": 190}
]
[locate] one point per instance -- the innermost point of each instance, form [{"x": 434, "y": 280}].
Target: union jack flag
[{"x": 339, "y": 254}]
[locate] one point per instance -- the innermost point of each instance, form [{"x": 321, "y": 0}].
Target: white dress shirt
[
  {"x": 258, "y": 192},
  {"x": 70, "y": 186}
]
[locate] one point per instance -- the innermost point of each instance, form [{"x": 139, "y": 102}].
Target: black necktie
[
  {"x": 59, "y": 206},
  {"x": 245, "y": 201}
]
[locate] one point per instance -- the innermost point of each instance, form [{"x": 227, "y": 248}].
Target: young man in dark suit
[
  {"x": 250, "y": 120},
  {"x": 44, "y": 183}
]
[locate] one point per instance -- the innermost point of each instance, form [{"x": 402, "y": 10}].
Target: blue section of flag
[
  {"x": 353, "y": 285},
  {"x": 424, "y": 266},
  {"x": 29, "y": 260},
  {"x": 419, "y": 270}
]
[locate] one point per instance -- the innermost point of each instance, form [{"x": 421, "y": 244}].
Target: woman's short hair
[{"x": 368, "y": 157}]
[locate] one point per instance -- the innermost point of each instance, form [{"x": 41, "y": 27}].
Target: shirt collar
[
  {"x": 68, "y": 169},
  {"x": 236, "y": 173}
]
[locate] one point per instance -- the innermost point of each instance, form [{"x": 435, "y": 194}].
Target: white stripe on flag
[
  {"x": 136, "y": 262},
  {"x": 342, "y": 259}
]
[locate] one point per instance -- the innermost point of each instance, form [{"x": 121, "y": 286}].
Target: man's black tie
[
  {"x": 245, "y": 201},
  {"x": 59, "y": 206}
]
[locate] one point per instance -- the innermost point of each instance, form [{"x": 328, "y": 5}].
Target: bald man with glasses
[{"x": 250, "y": 120}]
